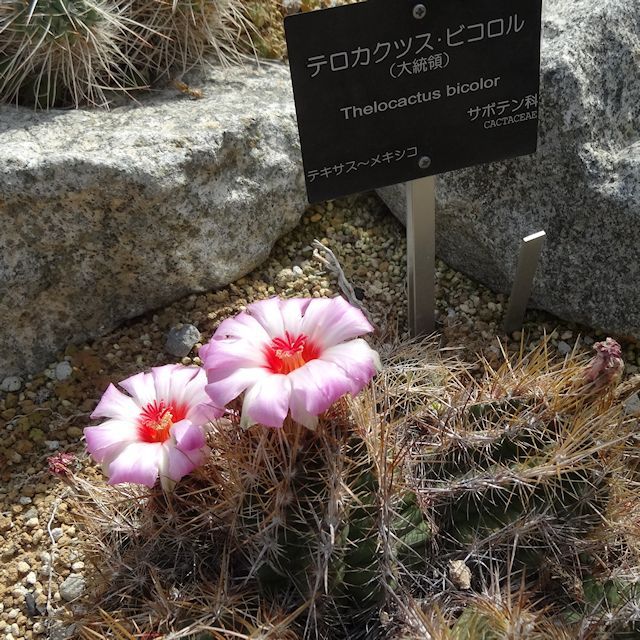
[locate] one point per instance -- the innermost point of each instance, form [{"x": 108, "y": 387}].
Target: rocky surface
[
  {"x": 107, "y": 215},
  {"x": 582, "y": 187}
]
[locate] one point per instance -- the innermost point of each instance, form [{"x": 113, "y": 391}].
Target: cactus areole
[{"x": 410, "y": 90}]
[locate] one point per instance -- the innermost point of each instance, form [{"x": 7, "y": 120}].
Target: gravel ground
[{"x": 46, "y": 415}]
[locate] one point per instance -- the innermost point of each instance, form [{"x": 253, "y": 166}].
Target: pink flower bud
[
  {"x": 606, "y": 366},
  {"x": 60, "y": 464}
]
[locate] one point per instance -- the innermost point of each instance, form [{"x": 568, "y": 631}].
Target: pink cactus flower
[
  {"x": 298, "y": 355},
  {"x": 157, "y": 430}
]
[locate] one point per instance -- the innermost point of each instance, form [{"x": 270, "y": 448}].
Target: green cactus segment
[
  {"x": 56, "y": 20},
  {"x": 310, "y": 529},
  {"x": 617, "y": 600},
  {"x": 509, "y": 467}
]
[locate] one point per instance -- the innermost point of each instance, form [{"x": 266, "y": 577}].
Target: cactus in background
[
  {"x": 183, "y": 34},
  {"x": 82, "y": 52},
  {"x": 521, "y": 473},
  {"x": 60, "y": 52}
]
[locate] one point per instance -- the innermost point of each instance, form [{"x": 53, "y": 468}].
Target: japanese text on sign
[
  {"x": 354, "y": 165},
  {"x": 412, "y": 46}
]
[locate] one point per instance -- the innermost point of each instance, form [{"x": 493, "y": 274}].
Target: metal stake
[
  {"x": 527, "y": 262},
  {"x": 421, "y": 254}
]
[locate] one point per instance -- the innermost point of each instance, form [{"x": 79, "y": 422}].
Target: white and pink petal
[
  {"x": 242, "y": 327},
  {"x": 357, "y": 359},
  {"x": 225, "y": 356},
  {"x": 115, "y": 404},
  {"x": 177, "y": 464},
  {"x": 188, "y": 436},
  {"x": 330, "y": 321},
  {"x": 225, "y": 389},
  {"x": 269, "y": 314},
  {"x": 267, "y": 401},
  {"x": 141, "y": 387},
  {"x": 300, "y": 414},
  {"x": 138, "y": 463},
  {"x": 318, "y": 384},
  {"x": 106, "y": 440},
  {"x": 162, "y": 379}
]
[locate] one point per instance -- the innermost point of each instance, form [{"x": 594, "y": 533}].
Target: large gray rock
[
  {"x": 582, "y": 187},
  {"x": 106, "y": 215}
]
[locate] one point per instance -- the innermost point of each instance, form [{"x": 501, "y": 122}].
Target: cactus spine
[
  {"x": 307, "y": 524},
  {"x": 57, "y": 52},
  {"x": 436, "y": 505},
  {"x": 83, "y": 52}
]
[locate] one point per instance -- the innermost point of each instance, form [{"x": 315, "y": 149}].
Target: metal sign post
[
  {"x": 527, "y": 262},
  {"x": 421, "y": 254}
]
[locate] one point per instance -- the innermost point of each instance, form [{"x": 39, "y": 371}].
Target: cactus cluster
[
  {"x": 523, "y": 474},
  {"x": 57, "y": 53},
  {"x": 438, "y": 504}
]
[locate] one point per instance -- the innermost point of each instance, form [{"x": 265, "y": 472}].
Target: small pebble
[
  {"x": 23, "y": 567},
  {"x": 31, "y": 512},
  {"x": 63, "y": 370},
  {"x": 632, "y": 405},
  {"x": 72, "y": 587},
  {"x": 11, "y": 383},
  {"x": 181, "y": 340},
  {"x": 564, "y": 348},
  {"x": 60, "y": 631}
]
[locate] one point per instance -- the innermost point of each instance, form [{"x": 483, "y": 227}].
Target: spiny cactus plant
[
  {"x": 182, "y": 34},
  {"x": 310, "y": 523},
  {"x": 84, "y": 52},
  {"x": 526, "y": 476},
  {"x": 519, "y": 471},
  {"x": 284, "y": 523},
  {"x": 55, "y": 52}
]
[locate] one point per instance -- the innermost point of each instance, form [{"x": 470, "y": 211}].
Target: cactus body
[
  {"x": 307, "y": 526},
  {"x": 435, "y": 506},
  {"x": 58, "y": 52},
  {"x": 520, "y": 471},
  {"x": 84, "y": 52}
]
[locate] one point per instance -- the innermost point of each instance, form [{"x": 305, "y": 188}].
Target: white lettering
[{"x": 419, "y": 98}]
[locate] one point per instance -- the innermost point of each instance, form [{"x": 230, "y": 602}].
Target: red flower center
[
  {"x": 156, "y": 420},
  {"x": 287, "y": 354}
]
